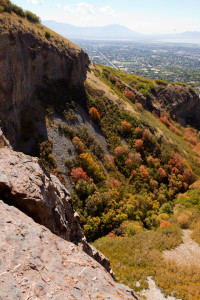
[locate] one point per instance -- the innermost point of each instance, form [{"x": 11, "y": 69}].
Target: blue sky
[{"x": 146, "y": 16}]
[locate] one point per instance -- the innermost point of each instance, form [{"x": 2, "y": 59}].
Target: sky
[{"x": 145, "y": 16}]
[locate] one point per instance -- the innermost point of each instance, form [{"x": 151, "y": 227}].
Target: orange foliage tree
[
  {"x": 161, "y": 173},
  {"x": 79, "y": 146},
  {"x": 175, "y": 165},
  {"x": 139, "y": 145},
  {"x": 94, "y": 114},
  {"x": 165, "y": 224},
  {"x": 121, "y": 150},
  {"x": 125, "y": 126},
  {"x": 188, "y": 176},
  {"x": 144, "y": 173},
  {"x": 153, "y": 162},
  {"x": 77, "y": 174},
  {"x": 129, "y": 94},
  {"x": 138, "y": 132},
  {"x": 109, "y": 161},
  {"x": 147, "y": 134}
]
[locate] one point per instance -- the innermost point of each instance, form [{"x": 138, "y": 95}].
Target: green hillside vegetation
[
  {"x": 142, "y": 192},
  {"x": 151, "y": 159}
]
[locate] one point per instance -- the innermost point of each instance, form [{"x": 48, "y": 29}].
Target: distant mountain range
[{"x": 113, "y": 32}]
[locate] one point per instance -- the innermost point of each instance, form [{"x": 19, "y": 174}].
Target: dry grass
[
  {"x": 38, "y": 30},
  {"x": 134, "y": 259}
]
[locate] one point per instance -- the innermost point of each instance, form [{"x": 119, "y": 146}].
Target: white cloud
[
  {"x": 109, "y": 11},
  {"x": 58, "y": 5},
  {"x": 69, "y": 9},
  {"x": 84, "y": 8},
  {"x": 35, "y": 1}
]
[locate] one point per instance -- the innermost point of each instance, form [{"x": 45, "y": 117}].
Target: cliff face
[{"x": 25, "y": 59}]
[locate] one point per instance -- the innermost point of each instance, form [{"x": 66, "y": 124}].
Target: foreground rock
[
  {"x": 26, "y": 184},
  {"x": 36, "y": 264}
]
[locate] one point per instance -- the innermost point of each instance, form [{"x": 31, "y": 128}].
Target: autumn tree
[
  {"x": 161, "y": 173},
  {"x": 121, "y": 150},
  {"x": 188, "y": 176},
  {"x": 139, "y": 145},
  {"x": 92, "y": 168},
  {"x": 175, "y": 165},
  {"x": 79, "y": 146},
  {"x": 147, "y": 134},
  {"x": 138, "y": 132},
  {"x": 129, "y": 94},
  {"x": 94, "y": 114},
  {"x": 109, "y": 161},
  {"x": 125, "y": 126},
  {"x": 78, "y": 174},
  {"x": 144, "y": 173}
]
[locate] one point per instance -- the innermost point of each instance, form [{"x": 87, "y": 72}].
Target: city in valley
[{"x": 173, "y": 62}]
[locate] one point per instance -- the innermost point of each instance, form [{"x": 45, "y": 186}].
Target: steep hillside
[{"x": 117, "y": 141}]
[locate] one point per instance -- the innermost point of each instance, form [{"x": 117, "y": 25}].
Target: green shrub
[
  {"x": 32, "y": 17},
  {"x": 47, "y": 35},
  {"x": 161, "y": 82}
]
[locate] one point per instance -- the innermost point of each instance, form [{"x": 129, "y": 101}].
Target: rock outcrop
[
  {"x": 27, "y": 185},
  {"x": 36, "y": 264},
  {"x": 26, "y": 58}
]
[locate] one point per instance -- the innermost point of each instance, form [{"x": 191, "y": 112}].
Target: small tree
[
  {"x": 161, "y": 173},
  {"x": 79, "y": 146},
  {"x": 139, "y": 145},
  {"x": 125, "y": 126},
  {"x": 78, "y": 174},
  {"x": 94, "y": 114}
]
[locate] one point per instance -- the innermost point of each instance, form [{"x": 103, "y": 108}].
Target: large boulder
[{"x": 37, "y": 264}]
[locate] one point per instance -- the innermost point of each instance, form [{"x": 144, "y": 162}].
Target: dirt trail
[
  {"x": 153, "y": 293},
  {"x": 188, "y": 253}
]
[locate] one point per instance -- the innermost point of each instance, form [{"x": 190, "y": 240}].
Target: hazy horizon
[{"x": 144, "y": 17}]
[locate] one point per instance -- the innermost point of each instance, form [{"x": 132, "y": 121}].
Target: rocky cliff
[
  {"x": 53, "y": 261},
  {"x": 26, "y": 58}
]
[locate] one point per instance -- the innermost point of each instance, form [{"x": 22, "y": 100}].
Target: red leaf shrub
[
  {"x": 129, "y": 94},
  {"x": 109, "y": 161},
  {"x": 161, "y": 173},
  {"x": 188, "y": 176},
  {"x": 139, "y": 145},
  {"x": 79, "y": 146},
  {"x": 165, "y": 224},
  {"x": 125, "y": 126},
  {"x": 147, "y": 134},
  {"x": 94, "y": 114},
  {"x": 138, "y": 132},
  {"x": 77, "y": 174},
  {"x": 144, "y": 173},
  {"x": 121, "y": 150},
  {"x": 164, "y": 120}
]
